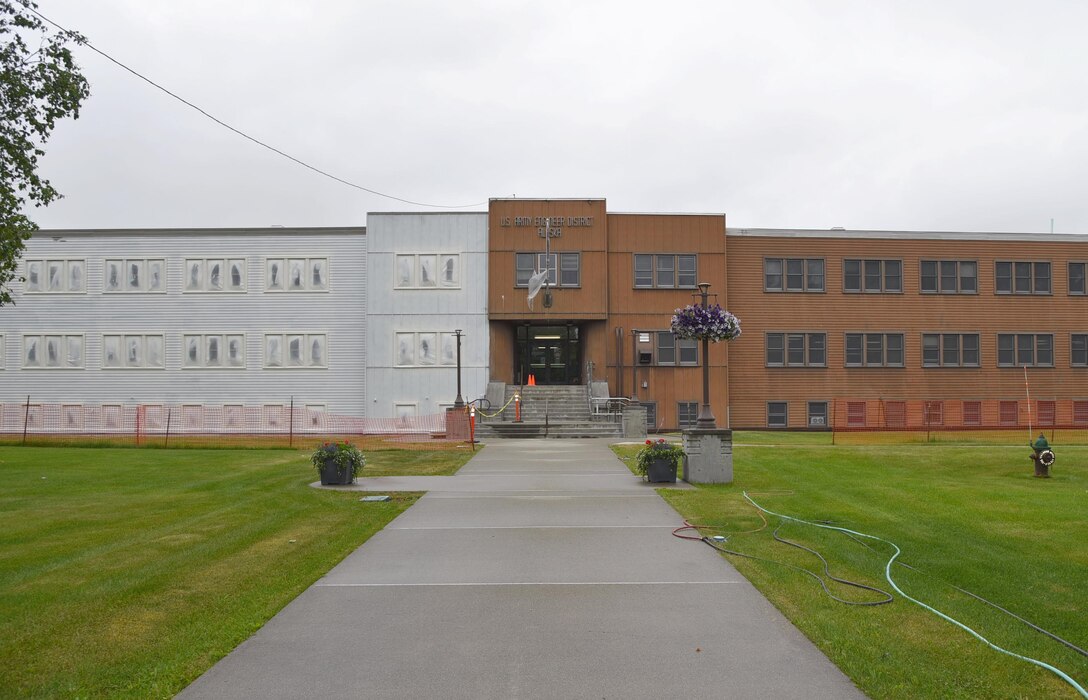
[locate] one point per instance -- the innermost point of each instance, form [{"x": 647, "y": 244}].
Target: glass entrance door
[{"x": 552, "y": 354}]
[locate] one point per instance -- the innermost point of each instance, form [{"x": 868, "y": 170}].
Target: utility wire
[{"x": 241, "y": 133}]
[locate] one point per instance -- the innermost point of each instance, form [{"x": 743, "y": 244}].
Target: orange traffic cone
[{"x": 532, "y": 380}]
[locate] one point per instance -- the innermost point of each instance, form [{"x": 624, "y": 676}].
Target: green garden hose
[{"x": 888, "y": 575}]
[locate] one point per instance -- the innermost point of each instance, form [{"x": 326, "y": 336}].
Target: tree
[{"x": 37, "y": 88}]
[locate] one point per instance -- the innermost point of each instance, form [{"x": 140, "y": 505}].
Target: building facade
[
  {"x": 198, "y": 319},
  {"x": 363, "y": 322}
]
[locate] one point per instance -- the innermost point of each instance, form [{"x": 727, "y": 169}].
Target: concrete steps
[{"x": 550, "y": 411}]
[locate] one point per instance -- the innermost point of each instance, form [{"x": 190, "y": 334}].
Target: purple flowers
[{"x": 712, "y": 323}]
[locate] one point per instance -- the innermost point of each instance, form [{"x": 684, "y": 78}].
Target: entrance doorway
[{"x": 552, "y": 354}]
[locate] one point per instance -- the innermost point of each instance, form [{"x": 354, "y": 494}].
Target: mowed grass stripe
[
  {"x": 127, "y": 573},
  {"x": 972, "y": 516}
]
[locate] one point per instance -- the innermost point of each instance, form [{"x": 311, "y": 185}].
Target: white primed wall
[
  {"x": 338, "y": 313},
  {"x": 391, "y": 310}
]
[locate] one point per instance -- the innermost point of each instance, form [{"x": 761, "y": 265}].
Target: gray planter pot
[
  {"x": 661, "y": 471},
  {"x": 333, "y": 476}
]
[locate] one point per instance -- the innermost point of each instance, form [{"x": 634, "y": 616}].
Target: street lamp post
[
  {"x": 705, "y": 420},
  {"x": 458, "y": 402}
]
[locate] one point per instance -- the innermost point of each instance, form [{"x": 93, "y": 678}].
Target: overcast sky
[{"x": 883, "y": 114}]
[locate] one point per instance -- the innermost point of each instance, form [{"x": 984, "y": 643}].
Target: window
[
  {"x": 793, "y": 274},
  {"x": 933, "y": 412},
  {"x": 874, "y": 350},
  {"x": 1008, "y": 412},
  {"x": 1080, "y": 412},
  {"x": 665, "y": 271},
  {"x": 53, "y": 351},
  {"x": 315, "y": 418},
  {"x": 1022, "y": 278},
  {"x": 215, "y": 351},
  {"x": 777, "y": 414},
  {"x": 950, "y": 350},
  {"x": 895, "y": 414},
  {"x": 564, "y": 269},
  {"x": 424, "y": 349},
  {"x": 135, "y": 275},
  {"x": 817, "y": 414},
  {"x": 570, "y": 270},
  {"x": 192, "y": 417},
  {"x": 274, "y": 417},
  {"x": 651, "y": 415},
  {"x": 1046, "y": 411},
  {"x": 1077, "y": 284},
  {"x": 855, "y": 414},
  {"x": 132, "y": 351},
  {"x": 689, "y": 351},
  {"x": 215, "y": 275},
  {"x": 293, "y": 350},
  {"x": 672, "y": 350},
  {"x": 309, "y": 274},
  {"x": 972, "y": 413},
  {"x": 1025, "y": 349},
  {"x": 796, "y": 349},
  {"x": 687, "y": 412},
  {"x": 427, "y": 271},
  {"x": 55, "y": 276},
  {"x": 872, "y": 276},
  {"x": 72, "y": 415},
  {"x": 1078, "y": 350},
  {"x": 949, "y": 276}
]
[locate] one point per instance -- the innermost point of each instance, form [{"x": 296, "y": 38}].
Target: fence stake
[
  {"x": 26, "y": 417},
  {"x": 291, "y": 425},
  {"x": 169, "y": 414},
  {"x": 139, "y": 409}
]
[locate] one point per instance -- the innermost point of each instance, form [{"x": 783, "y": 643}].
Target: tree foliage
[{"x": 40, "y": 83}]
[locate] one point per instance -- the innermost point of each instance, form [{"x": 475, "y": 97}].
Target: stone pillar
[
  {"x": 709, "y": 456},
  {"x": 634, "y": 421}
]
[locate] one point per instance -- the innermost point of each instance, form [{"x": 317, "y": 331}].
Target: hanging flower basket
[{"x": 712, "y": 323}]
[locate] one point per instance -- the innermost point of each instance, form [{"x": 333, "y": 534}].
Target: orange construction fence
[{"x": 165, "y": 425}]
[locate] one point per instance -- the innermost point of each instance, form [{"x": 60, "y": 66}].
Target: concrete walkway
[{"x": 543, "y": 569}]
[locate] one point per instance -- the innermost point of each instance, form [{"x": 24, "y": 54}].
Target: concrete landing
[{"x": 542, "y": 570}]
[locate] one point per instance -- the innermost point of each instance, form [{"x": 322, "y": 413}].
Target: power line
[{"x": 241, "y": 133}]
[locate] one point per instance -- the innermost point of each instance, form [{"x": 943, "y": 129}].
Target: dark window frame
[
  {"x": 773, "y": 412},
  {"x": 974, "y": 415},
  {"x": 1018, "y": 271},
  {"x": 678, "y": 268},
  {"x": 865, "y": 273},
  {"x": 691, "y": 408},
  {"x": 939, "y": 277},
  {"x": 808, "y": 275},
  {"x": 1003, "y": 410},
  {"x": 651, "y": 416},
  {"x": 1083, "y": 278},
  {"x": 678, "y": 347},
  {"x": 943, "y": 348},
  {"x": 866, "y": 344},
  {"x": 1025, "y": 353},
  {"x": 555, "y": 268},
  {"x": 1082, "y": 351},
  {"x": 810, "y": 354},
  {"x": 810, "y": 414}
]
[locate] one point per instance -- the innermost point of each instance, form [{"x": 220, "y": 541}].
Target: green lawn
[
  {"x": 127, "y": 572},
  {"x": 972, "y": 516}
]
